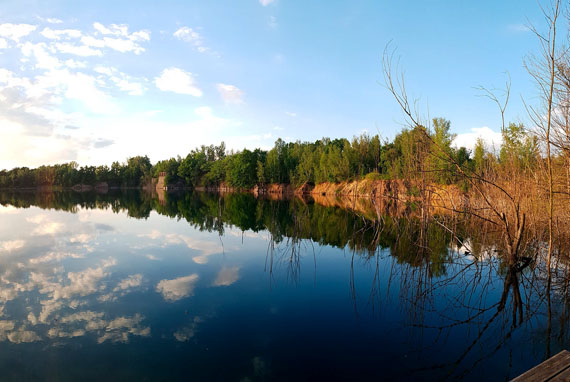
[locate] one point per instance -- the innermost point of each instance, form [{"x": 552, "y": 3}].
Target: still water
[{"x": 200, "y": 287}]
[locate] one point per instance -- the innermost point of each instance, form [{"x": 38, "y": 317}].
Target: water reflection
[{"x": 430, "y": 298}]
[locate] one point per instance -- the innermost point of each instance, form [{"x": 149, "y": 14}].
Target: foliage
[{"x": 418, "y": 153}]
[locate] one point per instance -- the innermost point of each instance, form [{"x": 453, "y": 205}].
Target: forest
[{"x": 325, "y": 160}]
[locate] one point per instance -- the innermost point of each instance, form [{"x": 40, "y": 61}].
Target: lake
[{"x": 202, "y": 287}]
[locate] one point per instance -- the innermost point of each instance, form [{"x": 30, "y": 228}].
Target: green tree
[{"x": 441, "y": 151}]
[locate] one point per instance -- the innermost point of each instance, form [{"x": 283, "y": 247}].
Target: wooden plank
[
  {"x": 564, "y": 376},
  {"x": 547, "y": 370}
]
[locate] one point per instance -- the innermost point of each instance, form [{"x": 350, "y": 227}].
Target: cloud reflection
[
  {"x": 176, "y": 289},
  {"x": 61, "y": 268},
  {"x": 226, "y": 276},
  {"x": 203, "y": 247},
  {"x": 186, "y": 333},
  {"x": 11, "y": 245}
]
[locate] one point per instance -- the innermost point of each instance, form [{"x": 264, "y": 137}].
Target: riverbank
[{"x": 387, "y": 195}]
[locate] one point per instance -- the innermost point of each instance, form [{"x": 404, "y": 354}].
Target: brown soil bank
[
  {"x": 277, "y": 189},
  {"x": 387, "y": 194}
]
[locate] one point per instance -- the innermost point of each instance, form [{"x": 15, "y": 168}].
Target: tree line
[{"x": 408, "y": 156}]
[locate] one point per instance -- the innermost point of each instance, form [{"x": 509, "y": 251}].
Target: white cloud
[
  {"x": 48, "y": 228},
  {"x": 129, "y": 282},
  {"x": 37, "y": 219},
  {"x": 113, "y": 29},
  {"x": 6, "y": 326},
  {"x": 122, "y": 30},
  {"x": 82, "y": 238},
  {"x": 205, "y": 248},
  {"x": 57, "y": 332},
  {"x": 102, "y": 29},
  {"x": 21, "y": 335},
  {"x": 55, "y": 256},
  {"x": 226, "y": 276},
  {"x": 53, "y": 20},
  {"x": 123, "y": 81},
  {"x": 178, "y": 288},
  {"x": 492, "y": 139},
  {"x": 73, "y": 64},
  {"x": 131, "y": 88},
  {"x": 83, "y": 87},
  {"x": 57, "y": 83},
  {"x": 121, "y": 40},
  {"x": 11, "y": 245},
  {"x": 50, "y": 20},
  {"x": 33, "y": 121},
  {"x": 58, "y": 34},
  {"x": 291, "y": 114},
  {"x": 202, "y": 126},
  {"x": 118, "y": 44},
  {"x": 17, "y": 147},
  {"x": 154, "y": 234},
  {"x": 266, "y": 2},
  {"x": 39, "y": 51},
  {"x": 55, "y": 87},
  {"x": 81, "y": 316},
  {"x": 272, "y": 22},
  {"x": 80, "y": 283},
  {"x": 105, "y": 70},
  {"x": 189, "y": 35},
  {"x": 177, "y": 81},
  {"x": 3, "y": 43},
  {"x": 140, "y": 36},
  {"x": 118, "y": 330},
  {"x": 186, "y": 333},
  {"x": 16, "y": 31},
  {"x": 78, "y": 50},
  {"x": 230, "y": 93}
]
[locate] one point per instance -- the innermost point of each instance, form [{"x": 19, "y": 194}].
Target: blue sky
[{"x": 101, "y": 81}]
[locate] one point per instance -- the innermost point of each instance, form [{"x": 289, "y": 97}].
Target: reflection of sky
[
  {"x": 66, "y": 275},
  {"x": 99, "y": 279}
]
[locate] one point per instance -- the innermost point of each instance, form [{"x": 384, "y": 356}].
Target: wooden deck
[{"x": 556, "y": 368}]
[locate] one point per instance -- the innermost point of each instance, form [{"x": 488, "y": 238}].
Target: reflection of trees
[
  {"x": 453, "y": 277},
  {"x": 462, "y": 301},
  {"x": 134, "y": 203},
  {"x": 291, "y": 221}
]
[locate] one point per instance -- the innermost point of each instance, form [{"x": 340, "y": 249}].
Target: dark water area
[{"x": 203, "y": 287}]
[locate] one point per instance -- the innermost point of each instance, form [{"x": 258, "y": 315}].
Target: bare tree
[
  {"x": 509, "y": 217},
  {"x": 543, "y": 69}
]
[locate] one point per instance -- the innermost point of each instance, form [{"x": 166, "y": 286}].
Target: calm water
[{"x": 198, "y": 287}]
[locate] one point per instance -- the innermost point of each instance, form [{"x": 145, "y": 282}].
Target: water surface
[{"x": 202, "y": 287}]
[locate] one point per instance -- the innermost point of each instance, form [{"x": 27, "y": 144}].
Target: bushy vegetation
[{"x": 130, "y": 174}]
